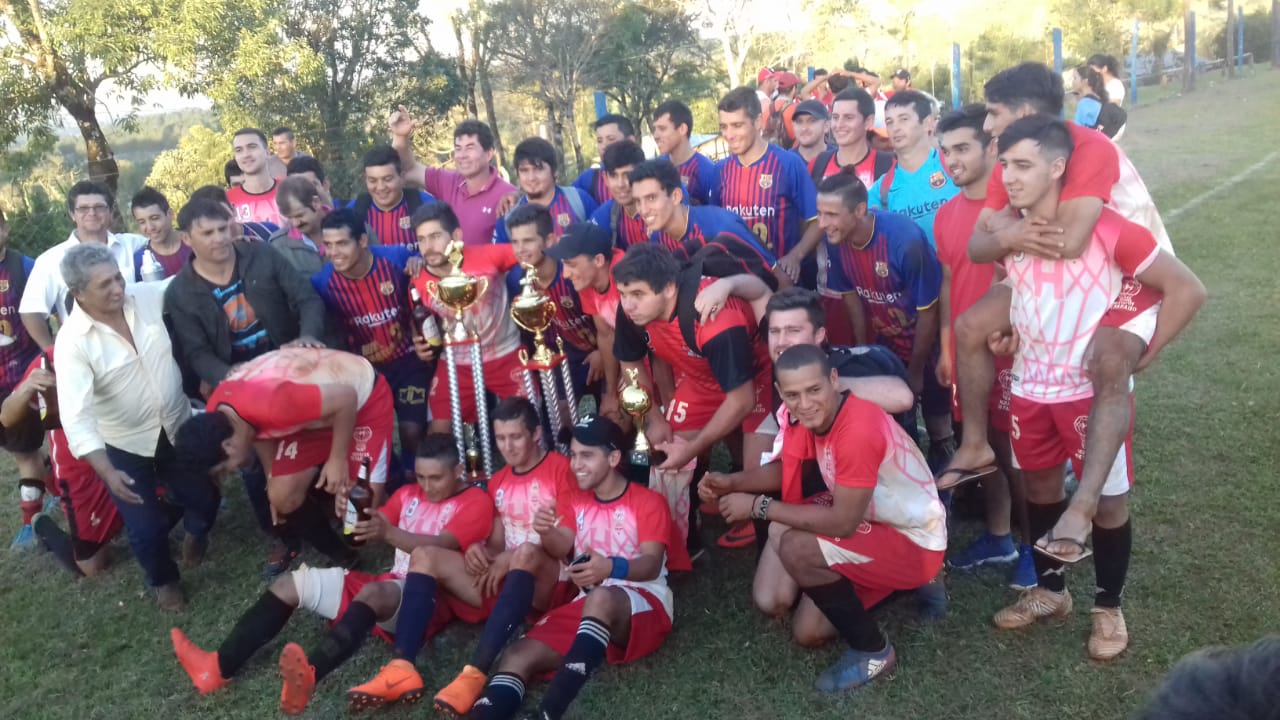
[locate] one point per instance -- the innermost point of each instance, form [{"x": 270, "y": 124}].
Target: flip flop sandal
[
  {"x": 1085, "y": 552},
  {"x": 963, "y": 475}
]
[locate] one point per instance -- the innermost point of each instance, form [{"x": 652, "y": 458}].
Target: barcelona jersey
[
  {"x": 701, "y": 177},
  {"x": 373, "y": 310},
  {"x": 707, "y": 222},
  {"x": 562, "y": 213},
  {"x": 629, "y": 230},
  {"x": 919, "y": 194},
  {"x": 774, "y": 195},
  {"x": 571, "y": 324}
]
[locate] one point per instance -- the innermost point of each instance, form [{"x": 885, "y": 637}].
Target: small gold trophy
[
  {"x": 472, "y": 453},
  {"x": 637, "y": 403},
  {"x": 458, "y": 291},
  {"x": 533, "y": 310}
]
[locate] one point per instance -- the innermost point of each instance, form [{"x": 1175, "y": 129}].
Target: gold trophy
[
  {"x": 533, "y": 310},
  {"x": 458, "y": 292},
  {"x": 637, "y": 403}
]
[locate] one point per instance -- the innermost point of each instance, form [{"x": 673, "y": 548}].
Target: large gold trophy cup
[
  {"x": 636, "y": 402},
  {"x": 533, "y": 310},
  {"x": 459, "y": 292}
]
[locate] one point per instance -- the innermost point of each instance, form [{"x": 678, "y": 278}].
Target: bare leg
[
  {"x": 773, "y": 589},
  {"x": 976, "y": 374},
  {"x": 1114, "y": 355}
]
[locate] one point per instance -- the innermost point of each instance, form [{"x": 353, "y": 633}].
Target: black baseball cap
[
  {"x": 814, "y": 108},
  {"x": 902, "y": 74},
  {"x": 582, "y": 238},
  {"x": 599, "y": 431}
]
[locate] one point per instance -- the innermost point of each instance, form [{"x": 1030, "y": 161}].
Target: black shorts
[
  {"x": 25, "y": 437},
  {"x": 410, "y": 380}
]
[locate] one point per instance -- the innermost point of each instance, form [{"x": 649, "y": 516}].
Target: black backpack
[{"x": 722, "y": 256}]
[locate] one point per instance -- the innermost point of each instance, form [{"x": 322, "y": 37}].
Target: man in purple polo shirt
[{"x": 473, "y": 190}]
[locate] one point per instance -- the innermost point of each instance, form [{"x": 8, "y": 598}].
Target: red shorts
[
  {"x": 693, "y": 404},
  {"x": 1045, "y": 435},
  {"x": 371, "y": 438},
  {"x": 879, "y": 561},
  {"x": 998, "y": 403},
  {"x": 91, "y": 513},
  {"x": 448, "y": 607},
  {"x": 503, "y": 376},
  {"x": 563, "y": 592},
  {"x": 649, "y": 627},
  {"x": 1135, "y": 309}
]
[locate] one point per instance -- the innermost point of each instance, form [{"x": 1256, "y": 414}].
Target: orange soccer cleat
[
  {"x": 458, "y": 696},
  {"x": 397, "y": 681},
  {"x": 299, "y": 679},
  {"x": 201, "y": 665}
]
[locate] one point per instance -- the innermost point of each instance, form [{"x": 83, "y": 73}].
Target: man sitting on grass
[{"x": 439, "y": 514}]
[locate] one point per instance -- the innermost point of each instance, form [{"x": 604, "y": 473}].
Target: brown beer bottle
[
  {"x": 424, "y": 321},
  {"x": 48, "y": 401},
  {"x": 359, "y": 503}
]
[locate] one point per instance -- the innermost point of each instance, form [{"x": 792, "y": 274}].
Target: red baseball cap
[
  {"x": 787, "y": 80},
  {"x": 764, "y": 74}
]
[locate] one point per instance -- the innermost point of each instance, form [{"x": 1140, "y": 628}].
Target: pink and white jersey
[
  {"x": 1058, "y": 304},
  {"x": 256, "y": 207},
  {"x": 467, "y": 516},
  {"x": 519, "y": 496},
  {"x": 1131, "y": 198},
  {"x": 490, "y": 317},
  {"x": 617, "y": 529},
  {"x": 865, "y": 448}
]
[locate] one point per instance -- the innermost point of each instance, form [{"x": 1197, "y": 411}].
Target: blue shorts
[{"x": 410, "y": 379}]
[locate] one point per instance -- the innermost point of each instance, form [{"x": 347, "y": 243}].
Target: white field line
[{"x": 1230, "y": 182}]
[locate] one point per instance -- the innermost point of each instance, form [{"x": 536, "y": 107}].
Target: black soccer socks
[
  {"x": 508, "y": 615},
  {"x": 255, "y": 628},
  {"x": 584, "y": 656},
  {"x": 417, "y": 605},
  {"x": 1111, "y": 550}
]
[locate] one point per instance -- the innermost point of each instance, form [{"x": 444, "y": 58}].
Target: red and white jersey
[
  {"x": 256, "y": 207},
  {"x": 518, "y": 496},
  {"x": 617, "y": 529},
  {"x": 604, "y": 305},
  {"x": 1057, "y": 305},
  {"x": 866, "y": 448},
  {"x": 279, "y": 392},
  {"x": 490, "y": 317},
  {"x": 467, "y": 516},
  {"x": 1131, "y": 198}
]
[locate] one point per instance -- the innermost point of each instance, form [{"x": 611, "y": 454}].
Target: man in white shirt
[
  {"x": 90, "y": 206},
  {"x": 121, "y": 401}
]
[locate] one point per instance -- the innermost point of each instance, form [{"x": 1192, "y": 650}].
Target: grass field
[{"x": 1205, "y": 568}]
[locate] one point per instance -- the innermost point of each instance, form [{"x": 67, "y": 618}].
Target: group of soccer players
[{"x": 1000, "y": 272}]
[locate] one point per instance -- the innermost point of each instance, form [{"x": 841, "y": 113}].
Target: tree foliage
[
  {"x": 655, "y": 53},
  {"x": 197, "y": 161},
  {"x": 332, "y": 70}
]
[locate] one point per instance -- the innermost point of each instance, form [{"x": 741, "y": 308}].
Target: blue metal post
[
  {"x": 1057, "y": 50},
  {"x": 601, "y": 108},
  {"x": 955, "y": 76},
  {"x": 810, "y": 73},
  {"x": 1133, "y": 67},
  {"x": 1240, "y": 37}
]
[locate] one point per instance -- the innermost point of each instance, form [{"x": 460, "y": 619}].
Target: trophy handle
[
  {"x": 432, "y": 289},
  {"x": 484, "y": 286}
]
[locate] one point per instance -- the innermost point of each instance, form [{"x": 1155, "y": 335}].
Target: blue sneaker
[
  {"x": 1024, "y": 573},
  {"x": 986, "y": 549},
  {"x": 25, "y": 540},
  {"x": 932, "y": 602},
  {"x": 51, "y": 504},
  {"x": 855, "y": 669}
]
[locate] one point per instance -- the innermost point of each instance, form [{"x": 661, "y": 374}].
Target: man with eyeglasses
[{"x": 91, "y": 207}]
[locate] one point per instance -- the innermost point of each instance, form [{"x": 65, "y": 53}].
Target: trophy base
[{"x": 647, "y": 458}]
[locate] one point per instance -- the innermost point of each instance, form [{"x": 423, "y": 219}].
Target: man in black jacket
[{"x": 232, "y": 302}]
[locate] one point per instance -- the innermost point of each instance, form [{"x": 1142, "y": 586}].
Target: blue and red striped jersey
[
  {"x": 701, "y": 177},
  {"x": 774, "y": 196},
  {"x": 570, "y": 323},
  {"x": 373, "y": 310},
  {"x": 630, "y": 228},
  {"x": 392, "y": 226},
  {"x": 562, "y": 213},
  {"x": 595, "y": 182},
  {"x": 709, "y": 221},
  {"x": 896, "y": 275}
]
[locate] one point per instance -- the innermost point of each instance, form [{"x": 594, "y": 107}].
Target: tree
[
  {"x": 62, "y": 57},
  {"x": 548, "y": 51},
  {"x": 736, "y": 24},
  {"x": 473, "y": 32},
  {"x": 331, "y": 69},
  {"x": 655, "y": 53},
  {"x": 197, "y": 161}
]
